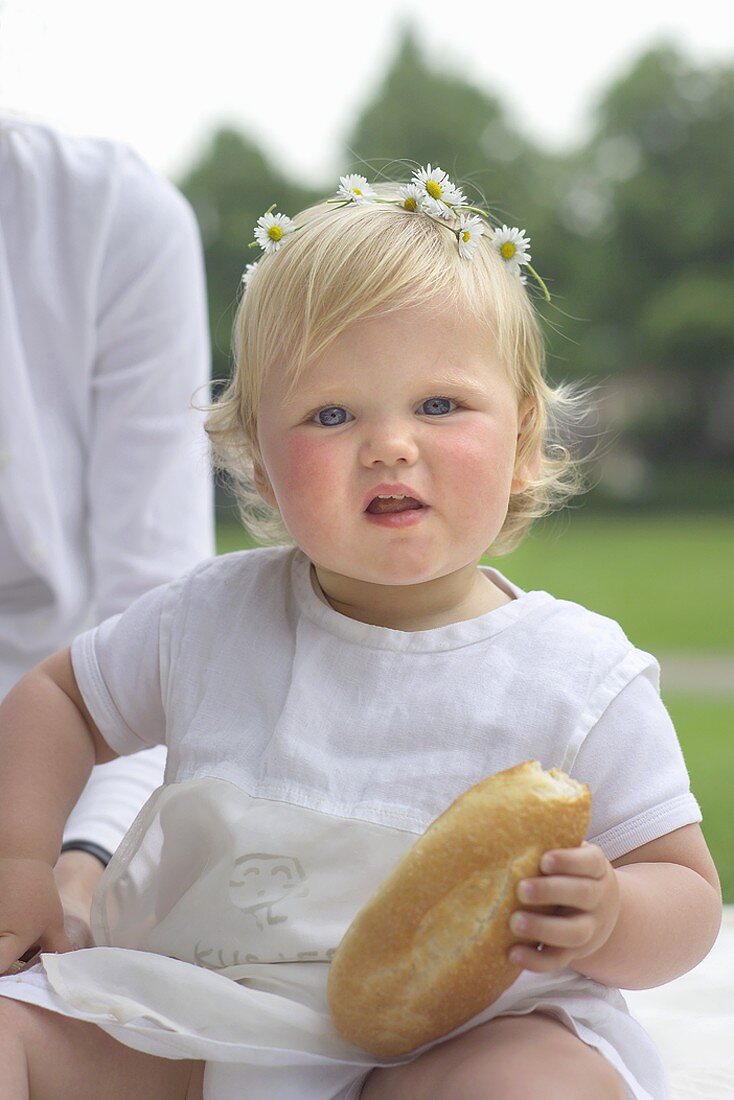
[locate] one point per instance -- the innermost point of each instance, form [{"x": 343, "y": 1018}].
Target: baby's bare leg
[
  {"x": 508, "y": 1058},
  {"x": 45, "y": 1056}
]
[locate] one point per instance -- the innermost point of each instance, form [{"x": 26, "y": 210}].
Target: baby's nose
[{"x": 389, "y": 443}]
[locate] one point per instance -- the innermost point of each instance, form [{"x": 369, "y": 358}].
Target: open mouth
[{"x": 380, "y": 506}]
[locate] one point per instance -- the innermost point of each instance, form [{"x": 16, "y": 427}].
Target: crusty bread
[{"x": 429, "y": 950}]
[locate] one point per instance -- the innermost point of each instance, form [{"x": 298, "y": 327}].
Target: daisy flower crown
[{"x": 430, "y": 192}]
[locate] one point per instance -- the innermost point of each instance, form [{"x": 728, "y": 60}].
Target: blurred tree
[
  {"x": 649, "y": 214},
  {"x": 633, "y": 231},
  {"x": 229, "y": 187},
  {"x": 423, "y": 115}
]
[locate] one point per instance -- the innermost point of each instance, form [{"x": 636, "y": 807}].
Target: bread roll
[{"x": 429, "y": 950}]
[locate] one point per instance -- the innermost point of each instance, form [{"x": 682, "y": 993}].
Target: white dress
[{"x": 306, "y": 754}]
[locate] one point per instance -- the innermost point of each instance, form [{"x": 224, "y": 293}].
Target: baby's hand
[
  {"x": 30, "y": 910},
  {"x": 582, "y": 883}
]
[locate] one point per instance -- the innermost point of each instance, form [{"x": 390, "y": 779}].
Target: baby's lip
[{"x": 394, "y": 488}]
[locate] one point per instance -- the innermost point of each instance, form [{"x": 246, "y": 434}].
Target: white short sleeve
[
  {"x": 634, "y": 764},
  {"x": 121, "y": 668}
]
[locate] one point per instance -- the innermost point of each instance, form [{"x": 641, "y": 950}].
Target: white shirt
[
  {"x": 248, "y": 674},
  {"x": 306, "y": 753},
  {"x": 105, "y": 488}
]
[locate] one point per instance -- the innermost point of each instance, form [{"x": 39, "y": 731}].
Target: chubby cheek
[
  {"x": 476, "y": 469},
  {"x": 306, "y": 478}
]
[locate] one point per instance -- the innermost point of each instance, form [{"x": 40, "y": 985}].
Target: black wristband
[{"x": 87, "y": 846}]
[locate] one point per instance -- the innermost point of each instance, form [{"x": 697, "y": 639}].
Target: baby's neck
[{"x": 452, "y": 599}]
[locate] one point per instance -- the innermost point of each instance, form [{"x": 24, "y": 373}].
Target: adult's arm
[{"x": 149, "y": 486}]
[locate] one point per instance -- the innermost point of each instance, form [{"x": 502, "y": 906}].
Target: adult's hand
[{"x": 77, "y": 874}]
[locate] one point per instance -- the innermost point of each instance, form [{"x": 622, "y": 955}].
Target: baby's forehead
[{"x": 426, "y": 341}]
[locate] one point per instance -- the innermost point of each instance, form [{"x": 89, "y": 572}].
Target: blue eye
[
  {"x": 332, "y": 413},
  {"x": 437, "y": 403}
]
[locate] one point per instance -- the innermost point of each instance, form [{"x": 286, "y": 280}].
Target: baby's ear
[
  {"x": 262, "y": 484},
  {"x": 529, "y": 454}
]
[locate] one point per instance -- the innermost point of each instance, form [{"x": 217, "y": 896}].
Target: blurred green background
[{"x": 634, "y": 233}]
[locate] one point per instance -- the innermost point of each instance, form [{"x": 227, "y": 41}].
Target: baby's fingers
[
  {"x": 544, "y": 961},
  {"x": 587, "y": 860},
  {"x": 571, "y": 932},
  {"x": 567, "y": 890}
]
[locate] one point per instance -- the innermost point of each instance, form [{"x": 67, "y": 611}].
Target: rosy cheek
[
  {"x": 309, "y": 468},
  {"x": 477, "y": 465},
  {"x": 466, "y": 455}
]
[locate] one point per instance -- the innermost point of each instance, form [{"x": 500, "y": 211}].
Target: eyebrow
[
  {"x": 435, "y": 382},
  {"x": 457, "y": 382}
]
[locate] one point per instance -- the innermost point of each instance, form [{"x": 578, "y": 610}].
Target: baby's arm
[
  {"x": 48, "y": 746},
  {"x": 638, "y": 922}
]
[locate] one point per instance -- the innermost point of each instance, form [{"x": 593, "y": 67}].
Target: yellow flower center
[
  {"x": 275, "y": 232},
  {"x": 434, "y": 189},
  {"x": 356, "y": 191},
  {"x": 466, "y": 236},
  {"x": 508, "y": 250},
  {"x": 410, "y": 204}
]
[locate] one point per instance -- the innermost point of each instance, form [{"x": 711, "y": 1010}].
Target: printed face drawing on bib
[
  {"x": 260, "y": 887},
  {"x": 263, "y": 882}
]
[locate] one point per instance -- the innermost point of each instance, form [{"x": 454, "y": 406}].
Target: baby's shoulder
[
  {"x": 577, "y": 658},
  {"x": 562, "y": 631},
  {"x": 581, "y": 622},
  {"x": 239, "y": 574},
  {"x": 228, "y": 602}
]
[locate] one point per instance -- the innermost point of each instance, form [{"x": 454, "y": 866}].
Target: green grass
[
  {"x": 706, "y": 732},
  {"x": 666, "y": 580}
]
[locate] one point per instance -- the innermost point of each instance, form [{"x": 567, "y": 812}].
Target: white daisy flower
[
  {"x": 470, "y": 230},
  {"x": 411, "y": 196},
  {"x": 271, "y": 230},
  {"x": 438, "y": 193},
  {"x": 248, "y": 273},
  {"x": 513, "y": 246},
  {"x": 356, "y": 189}
]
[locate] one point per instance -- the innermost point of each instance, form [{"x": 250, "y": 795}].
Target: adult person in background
[{"x": 105, "y": 490}]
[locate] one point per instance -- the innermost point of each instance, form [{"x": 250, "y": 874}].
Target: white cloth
[
  {"x": 105, "y": 488},
  {"x": 306, "y": 752}
]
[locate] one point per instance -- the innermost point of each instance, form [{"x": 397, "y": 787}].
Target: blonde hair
[{"x": 362, "y": 260}]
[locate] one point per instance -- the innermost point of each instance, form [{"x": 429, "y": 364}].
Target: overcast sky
[{"x": 161, "y": 74}]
